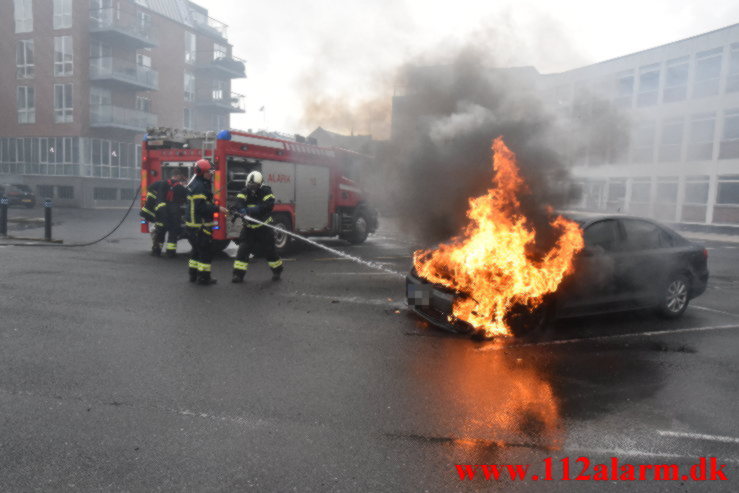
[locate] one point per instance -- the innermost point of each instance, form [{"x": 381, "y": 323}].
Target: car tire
[
  {"x": 283, "y": 242},
  {"x": 360, "y": 229},
  {"x": 530, "y": 324},
  {"x": 675, "y": 296}
]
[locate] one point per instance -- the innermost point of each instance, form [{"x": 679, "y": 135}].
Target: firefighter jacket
[
  {"x": 257, "y": 204},
  {"x": 170, "y": 195},
  {"x": 152, "y": 200},
  {"x": 200, "y": 207}
]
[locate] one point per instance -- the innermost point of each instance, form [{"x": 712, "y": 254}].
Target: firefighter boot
[
  {"x": 171, "y": 250},
  {"x": 276, "y": 273},
  {"x": 239, "y": 271},
  {"x": 193, "y": 270},
  {"x": 156, "y": 249},
  {"x": 204, "y": 279}
]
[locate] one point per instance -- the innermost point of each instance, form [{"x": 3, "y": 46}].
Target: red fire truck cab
[{"x": 314, "y": 195}]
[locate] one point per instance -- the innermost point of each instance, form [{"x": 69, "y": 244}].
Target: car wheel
[
  {"x": 360, "y": 229},
  {"x": 282, "y": 240},
  {"x": 526, "y": 323},
  {"x": 675, "y": 296}
]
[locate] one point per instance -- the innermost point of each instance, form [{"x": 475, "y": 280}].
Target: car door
[
  {"x": 592, "y": 286},
  {"x": 645, "y": 261}
]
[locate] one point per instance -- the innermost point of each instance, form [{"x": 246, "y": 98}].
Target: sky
[{"x": 348, "y": 51}]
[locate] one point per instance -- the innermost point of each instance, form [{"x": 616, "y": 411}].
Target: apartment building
[
  {"x": 91, "y": 76},
  {"x": 680, "y": 163}
]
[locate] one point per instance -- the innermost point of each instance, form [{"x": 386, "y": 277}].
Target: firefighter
[
  {"x": 256, "y": 201},
  {"x": 199, "y": 222},
  {"x": 168, "y": 211}
]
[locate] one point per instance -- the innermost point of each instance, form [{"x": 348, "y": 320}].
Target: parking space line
[
  {"x": 698, "y": 436},
  {"x": 713, "y": 310},
  {"x": 498, "y": 346},
  {"x": 356, "y": 274},
  {"x": 349, "y": 299}
]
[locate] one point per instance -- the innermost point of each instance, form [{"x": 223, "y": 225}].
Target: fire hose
[{"x": 366, "y": 263}]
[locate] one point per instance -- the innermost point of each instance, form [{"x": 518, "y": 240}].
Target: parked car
[
  {"x": 627, "y": 263},
  {"x": 18, "y": 194}
]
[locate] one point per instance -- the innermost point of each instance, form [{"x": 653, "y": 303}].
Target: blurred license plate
[
  {"x": 418, "y": 295},
  {"x": 26, "y": 200}
]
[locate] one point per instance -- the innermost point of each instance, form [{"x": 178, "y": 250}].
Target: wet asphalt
[{"x": 118, "y": 374}]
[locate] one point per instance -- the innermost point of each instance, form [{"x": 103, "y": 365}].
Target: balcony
[
  {"x": 122, "y": 28},
  {"x": 210, "y": 26},
  {"x": 225, "y": 67},
  {"x": 223, "y": 101},
  {"x": 109, "y": 116},
  {"x": 124, "y": 74}
]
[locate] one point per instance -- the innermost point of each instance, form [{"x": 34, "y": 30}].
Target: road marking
[
  {"x": 705, "y": 308},
  {"x": 498, "y": 346},
  {"x": 350, "y": 299},
  {"x": 698, "y": 436},
  {"x": 357, "y": 274}
]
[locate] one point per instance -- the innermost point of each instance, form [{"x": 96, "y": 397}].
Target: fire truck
[{"x": 314, "y": 194}]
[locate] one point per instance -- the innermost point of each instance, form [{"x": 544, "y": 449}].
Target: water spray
[{"x": 366, "y": 263}]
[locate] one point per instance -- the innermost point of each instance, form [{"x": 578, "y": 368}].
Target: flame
[{"x": 489, "y": 262}]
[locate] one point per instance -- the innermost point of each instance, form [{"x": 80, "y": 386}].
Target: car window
[
  {"x": 602, "y": 234},
  {"x": 643, "y": 235}
]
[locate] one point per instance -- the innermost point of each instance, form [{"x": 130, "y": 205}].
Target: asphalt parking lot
[{"x": 118, "y": 374}]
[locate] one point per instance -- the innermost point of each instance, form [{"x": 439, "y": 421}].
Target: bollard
[
  {"x": 3, "y": 216},
  {"x": 47, "y": 219}
]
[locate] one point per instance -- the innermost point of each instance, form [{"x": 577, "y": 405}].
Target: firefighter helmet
[
  {"x": 202, "y": 166},
  {"x": 254, "y": 180}
]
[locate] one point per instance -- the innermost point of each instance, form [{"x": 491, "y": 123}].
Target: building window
[
  {"x": 62, "y": 14},
  {"x": 24, "y": 59},
  {"x": 219, "y": 51},
  {"x": 667, "y": 189},
  {"x": 100, "y": 193},
  {"x": 707, "y": 73},
  {"x": 187, "y": 119},
  {"x": 643, "y": 143},
  {"x": 670, "y": 146},
  {"x": 143, "y": 103},
  {"x": 676, "y": 80},
  {"x": 98, "y": 50},
  {"x": 648, "y": 85},
  {"x": 143, "y": 22},
  {"x": 696, "y": 190},
  {"x": 143, "y": 57},
  {"x": 65, "y": 192},
  {"x": 701, "y": 137},
  {"x": 100, "y": 97},
  {"x": 26, "y": 104},
  {"x": 624, "y": 89},
  {"x": 219, "y": 90},
  {"x": 23, "y": 13},
  {"x": 63, "y": 59},
  {"x": 732, "y": 83},
  {"x": 641, "y": 191},
  {"x": 63, "y": 103},
  {"x": 728, "y": 190},
  {"x": 190, "y": 47},
  {"x": 730, "y": 142},
  {"x": 189, "y": 87}
]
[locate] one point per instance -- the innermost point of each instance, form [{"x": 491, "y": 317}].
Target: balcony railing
[
  {"x": 109, "y": 116},
  {"x": 123, "y": 26},
  {"x": 124, "y": 72},
  {"x": 228, "y": 101},
  {"x": 227, "y": 66},
  {"x": 210, "y": 26}
]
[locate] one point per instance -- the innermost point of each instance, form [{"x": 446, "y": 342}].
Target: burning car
[{"x": 493, "y": 280}]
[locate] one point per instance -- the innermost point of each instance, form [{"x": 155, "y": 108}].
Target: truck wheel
[
  {"x": 220, "y": 245},
  {"x": 360, "y": 229},
  {"x": 282, "y": 240}
]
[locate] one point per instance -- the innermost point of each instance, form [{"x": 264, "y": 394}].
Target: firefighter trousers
[
  {"x": 169, "y": 226},
  {"x": 201, "y": 241},
  {"x": 256, "y": 241}
]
